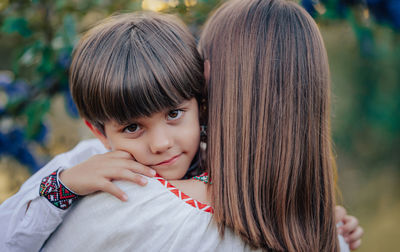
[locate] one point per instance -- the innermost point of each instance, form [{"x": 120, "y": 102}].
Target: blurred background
[{"x": 38, "y": 119}]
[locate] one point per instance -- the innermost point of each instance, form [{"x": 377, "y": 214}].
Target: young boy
[{"x": 132, "y": 66}]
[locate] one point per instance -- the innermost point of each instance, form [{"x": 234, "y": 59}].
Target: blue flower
[
  {"x": 64, "y": 59},
  {"x": 13, "y": 143},
  {"x": 70, "y": 105},
  {"x": 25, "y": 157},
  {"x": 41, "y": 134},
  {"x": 3, "y": 143},
  {"x": 15, "y": 90},
  {"x": 15, "y": 139},
  {"x": 309, "y": 6},
  {"x": 385, "y": 11},
  {"x": 394, "y": 11}
]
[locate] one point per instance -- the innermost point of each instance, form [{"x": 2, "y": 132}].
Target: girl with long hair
[{"x": 268, "y": 131}]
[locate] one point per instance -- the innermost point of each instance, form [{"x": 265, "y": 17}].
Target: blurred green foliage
[
  {"x": 37, "y": 38},
  {"x": 366, "y": 123}
]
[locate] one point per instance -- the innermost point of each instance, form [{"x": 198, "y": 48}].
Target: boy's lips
[{"x": 169, "y": 161}]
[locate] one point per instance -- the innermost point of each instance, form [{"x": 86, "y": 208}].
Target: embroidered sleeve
[{"x": 56, "y": 192}]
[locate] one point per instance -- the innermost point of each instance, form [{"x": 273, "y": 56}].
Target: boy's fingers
[
  {"x": 355, "y": 245},
  {"x": 125, "y": 174},
  {"x": 121, "y": 154},
  {"x": 356, "y": 235},
  {"x": 340, "y": 213},
  {"x": 142, "y": 169},
  {"x": 137, "y": 179},
  {"x": 114, "y": 190},
  {"x": 132, "y": 165},
  {"x": 350, "y": 224}
]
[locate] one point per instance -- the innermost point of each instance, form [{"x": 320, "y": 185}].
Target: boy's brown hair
[
  {"x": 133, "y": 65},
  {"x": 268, "y": 145}
]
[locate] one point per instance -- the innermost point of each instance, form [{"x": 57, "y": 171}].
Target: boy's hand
[
  {"x": 98, "y": 172},
  {"x": 350, "y": 230}
]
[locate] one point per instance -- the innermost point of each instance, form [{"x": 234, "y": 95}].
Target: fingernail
[
  {"x": 124, "y": 197},
  {"x": 153, "y": 173},
  {"x": 143, "y": 181}
]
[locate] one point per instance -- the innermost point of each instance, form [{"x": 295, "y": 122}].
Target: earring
[{"x": 203, "y": 133}]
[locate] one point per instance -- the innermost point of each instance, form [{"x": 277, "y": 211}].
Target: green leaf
[
  {"x": 47, "y": 64},
  {"x": 69, "y": 29},
  {"x": 16, "y": 24},
  {"x": 60, "y": 4},
  {"x": 35, "y": 113}
]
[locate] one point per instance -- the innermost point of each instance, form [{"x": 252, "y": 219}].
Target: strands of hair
[
  {"x": 133, "y": 65},
  {"x": 268, "y": 145}
]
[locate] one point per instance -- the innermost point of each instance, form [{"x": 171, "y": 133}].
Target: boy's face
[{"x": 166, "y": 141}]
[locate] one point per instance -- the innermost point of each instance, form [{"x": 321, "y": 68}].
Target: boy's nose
[{"x": 160, "y": 141}]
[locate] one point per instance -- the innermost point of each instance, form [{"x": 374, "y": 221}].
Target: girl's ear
[
  {"x": 207, "y": 70},
  {"x": 98, "y": 134}
]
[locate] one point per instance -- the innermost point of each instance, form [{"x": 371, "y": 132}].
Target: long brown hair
[
  {"x": 135, "y": 64},
  {"x": 268, "y": 145}
]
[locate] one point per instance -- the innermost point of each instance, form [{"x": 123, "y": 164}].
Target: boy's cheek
[
  {"x": 137, "y": 153},
  {"x": 103, "y": 139},
  {"x": 106, "y": 143}
]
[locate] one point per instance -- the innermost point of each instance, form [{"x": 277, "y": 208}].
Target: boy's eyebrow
[
  {"x": 130, "y": 121},
  {"x": 182, "y": 104},
  {"x": 165, "y": 110}
]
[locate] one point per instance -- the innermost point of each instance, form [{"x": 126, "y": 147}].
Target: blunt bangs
[{"x": 134, "y": 65}]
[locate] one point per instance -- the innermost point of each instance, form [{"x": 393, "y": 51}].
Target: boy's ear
[
  {"x": 207, "y": 70},
  {"x": 98, "y": 134}
]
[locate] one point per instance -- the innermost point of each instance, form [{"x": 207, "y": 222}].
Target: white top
[
  {"x": 166, "y": 221},
  {"x": 153, "y": 219}
]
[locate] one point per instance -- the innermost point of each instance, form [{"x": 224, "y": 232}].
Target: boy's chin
[{"x": 170, "y": 175}]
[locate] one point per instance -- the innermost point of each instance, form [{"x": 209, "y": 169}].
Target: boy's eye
[
  {"x": 132, "y": 128},
  {"x": 174, "y": 114}
]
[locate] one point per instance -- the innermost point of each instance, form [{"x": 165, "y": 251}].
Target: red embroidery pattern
[
  {"x": 55, "y": 192},
  {"x": 182, "y": 196}
]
